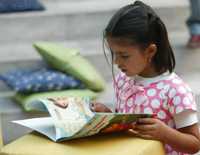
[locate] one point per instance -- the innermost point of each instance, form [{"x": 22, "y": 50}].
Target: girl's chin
[{"x": 129, "y": 74}]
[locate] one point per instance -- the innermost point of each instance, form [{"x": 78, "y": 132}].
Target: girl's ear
[{"x": 151, "y": 51}]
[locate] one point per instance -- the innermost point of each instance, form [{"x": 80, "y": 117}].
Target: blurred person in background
[{"x": 193, "y": 24}]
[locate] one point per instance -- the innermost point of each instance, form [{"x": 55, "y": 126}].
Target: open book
[{"x": 76, "y": 120}]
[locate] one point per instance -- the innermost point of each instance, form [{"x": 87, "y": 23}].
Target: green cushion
[
  {"x": 70, "y": 61},
  {"x": 26, "y": 100}
]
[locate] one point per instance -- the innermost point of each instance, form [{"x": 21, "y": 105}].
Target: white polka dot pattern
[
  {"x": 179, "y": 109},
  {"x": 164, "y": 98},
  {"x": 160, "y": 85},
  {"x": 162, "y": 94},
  {"x": 120, "y": 83},
  {"x": 155, "y": 103},
  {"x": 172, "y": 93},
  {"x": 139, "y": 99},
  {"x": 130, "y": 102},
  {"x": 151, "y": 92},
  {"x": 177, "y": 100},
  {"x": 186, "y": 101},
  {"x": 181, "y": 90},
  {"x": 161, "y": 114},
  {"x": 148, "y": 110}
]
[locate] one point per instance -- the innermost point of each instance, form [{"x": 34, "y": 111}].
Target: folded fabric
[
  {"x": 19, "y": 5},
  {"x": 26, "y": 100},
  {"x": 71, "y": 62},
  {"x": 39, "y": 80}
]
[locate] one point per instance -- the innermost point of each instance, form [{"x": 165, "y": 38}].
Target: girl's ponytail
[{"x": 164, "y": 58}]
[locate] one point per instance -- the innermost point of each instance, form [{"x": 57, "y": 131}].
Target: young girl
[{"x": 138, "y": 41}]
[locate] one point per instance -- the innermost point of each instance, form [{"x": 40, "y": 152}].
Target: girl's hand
[
  {"x": 150, "y": 128},
  {"x": 60, "y": 101},
  {"x": 99, "y": 107}
]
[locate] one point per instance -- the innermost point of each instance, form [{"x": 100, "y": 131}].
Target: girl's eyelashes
[{"x": 125, "y": 56}]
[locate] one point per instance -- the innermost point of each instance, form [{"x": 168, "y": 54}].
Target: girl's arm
[{"x": 185, "y": 140}]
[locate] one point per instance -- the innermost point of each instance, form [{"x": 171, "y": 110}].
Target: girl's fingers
[
  {"x": 92, "y": 107},
  {"x": 134, "y": 133},
  {"x": 99, "y": 107},
  {"x": 143, "y": 132},
  {"x": 59, "y": 102},
  {"x": 145, "y": 136},
  {"x": 133, "y": 125},
  {"x": 146, "y": 121},
  {"x": 64, "y": 104},
  {"x": 145, "y": 127}
]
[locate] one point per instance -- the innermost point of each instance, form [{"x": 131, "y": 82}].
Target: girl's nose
[{"x": 117, "y": 61}]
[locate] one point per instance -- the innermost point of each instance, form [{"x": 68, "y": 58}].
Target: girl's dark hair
[{"x": 140, "y": 25}]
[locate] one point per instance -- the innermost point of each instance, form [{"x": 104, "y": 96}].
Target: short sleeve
[
  {"x": 185, "y": 118},
  {"x": 181, "y": 98}
]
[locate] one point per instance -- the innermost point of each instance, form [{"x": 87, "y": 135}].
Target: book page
[
  {"x": 43, "y": 125},
  {"x": 71, "y": 119}
]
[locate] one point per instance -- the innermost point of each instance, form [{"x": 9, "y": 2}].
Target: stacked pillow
[
  {"x": 72, "y": 75},
  {"x": 71, "y": 62},
  {"x": 40, "y": 80}
]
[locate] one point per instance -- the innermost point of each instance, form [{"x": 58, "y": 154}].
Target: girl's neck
[{"x": 151, "y": 72}]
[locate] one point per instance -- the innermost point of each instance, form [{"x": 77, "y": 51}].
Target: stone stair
[{"x": 71, "y": 20}]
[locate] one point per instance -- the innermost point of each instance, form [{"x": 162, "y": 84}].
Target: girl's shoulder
[
  {"x": 173, "y": 81},
  {"x": 172, "y": 85},
  {"x": 167, "y": 82}
]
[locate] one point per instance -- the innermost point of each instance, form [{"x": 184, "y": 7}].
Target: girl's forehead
[
  {"x": 121, "y": 46},
  {"x": 120, "y": 41}
]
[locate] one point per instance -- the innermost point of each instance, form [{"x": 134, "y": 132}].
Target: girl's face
[{"x": 132, "y": 60}]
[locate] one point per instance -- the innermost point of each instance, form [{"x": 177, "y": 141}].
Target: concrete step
[
  {"x": 72, "y": 20},
  {"x": 154, "y": 3},
  {"x": 92, "y": 49},
  {"x": 187, "y": 61},
  {"x": 25, "y": 51}
]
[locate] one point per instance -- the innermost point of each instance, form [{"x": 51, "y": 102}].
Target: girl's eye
[{"x": 125, "y": 56}]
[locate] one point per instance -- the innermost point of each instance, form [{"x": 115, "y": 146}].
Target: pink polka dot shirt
[{"x": 165, "y": 95}]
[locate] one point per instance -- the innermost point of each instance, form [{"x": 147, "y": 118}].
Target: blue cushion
[
  {"x": 29, "y": 81},
  {"x": 19, "y": 5}
]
